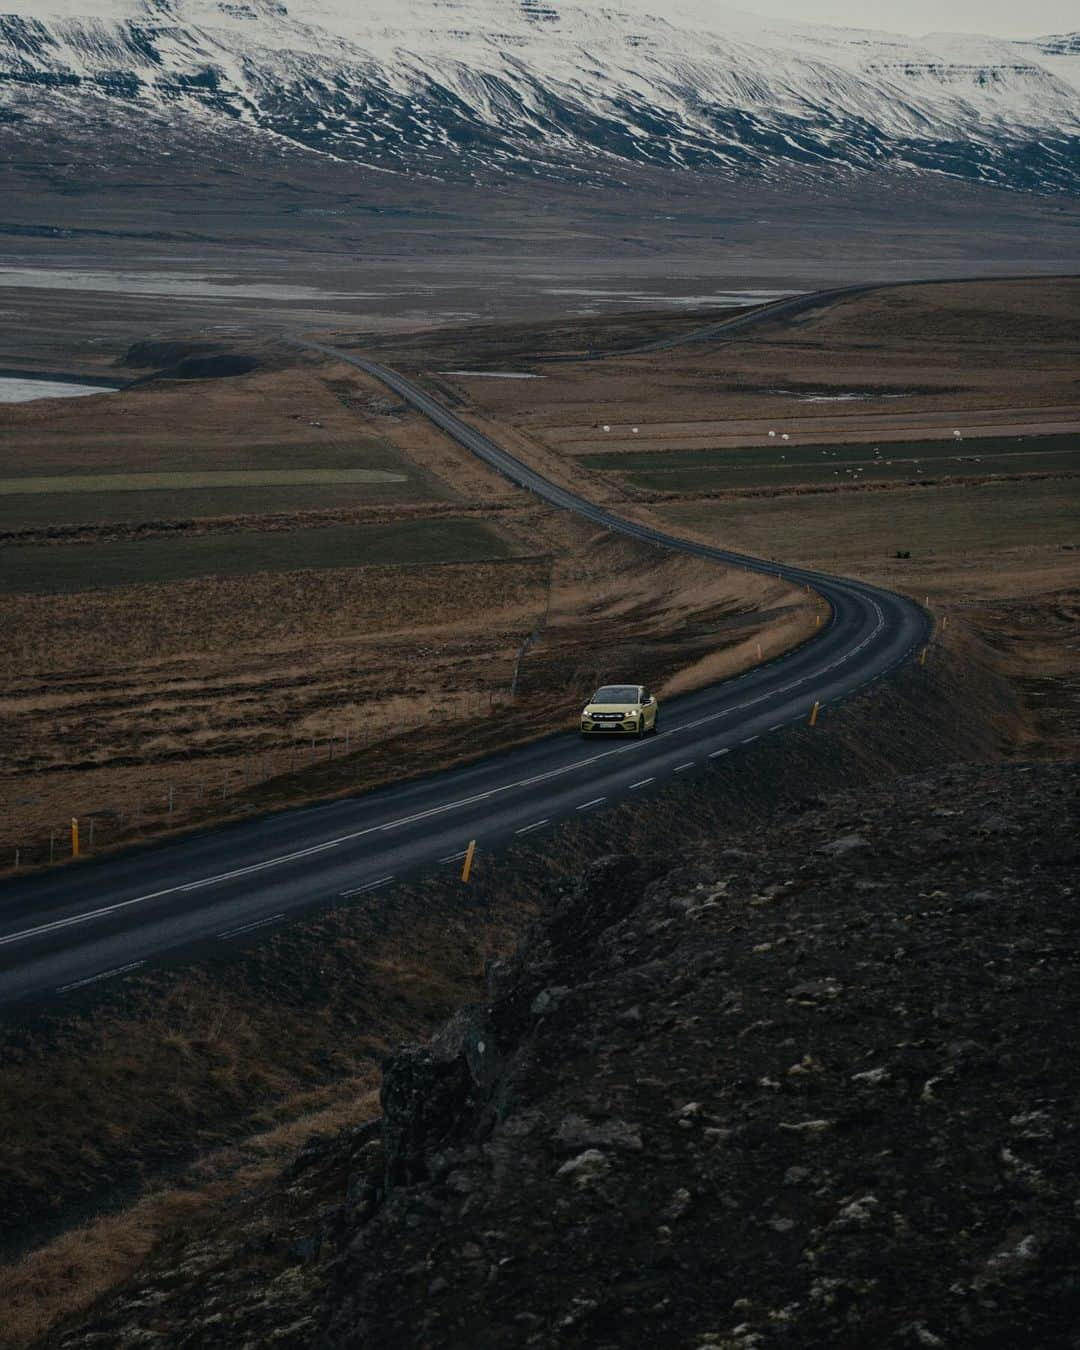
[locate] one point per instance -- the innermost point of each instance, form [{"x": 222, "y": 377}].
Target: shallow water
[
  {"x": 23, "y": 391},
  {"x": 721, "y": 299},
  {"x": 195, "y": 286},
  {"x": 495, "y": 374}
]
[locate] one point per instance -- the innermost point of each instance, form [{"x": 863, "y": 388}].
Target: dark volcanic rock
[
  {"x": 766, "y": 1097},
  {"x": 764, "y": 1101}
]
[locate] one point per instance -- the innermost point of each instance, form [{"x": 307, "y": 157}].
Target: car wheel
[
  {"x": 656, "y": 724},
  {"x": 641, "y": 726}
]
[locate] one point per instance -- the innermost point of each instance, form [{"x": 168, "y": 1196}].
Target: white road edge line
[
  {"x": 453, "y": 857},
  {"x": 748, "y": 740},
  {"x": 681, "y": 768},
  {"x": 104, "y": 975},
  {"x": 595, "y": 802},
  {"x": 250, "y": 927},
  {"x": 525, "y": 829},
  {"x": 368, "y": 886},
  {"x": 640, "y": 784},
  {"x": 717, "y": 753}
]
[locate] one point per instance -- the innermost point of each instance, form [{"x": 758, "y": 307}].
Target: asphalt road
[{"x": 64, "y": 931}]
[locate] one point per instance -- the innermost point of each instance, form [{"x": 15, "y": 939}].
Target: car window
[
  {"x": 616, "y": 693},
  {"x": 645, "y": 696}
]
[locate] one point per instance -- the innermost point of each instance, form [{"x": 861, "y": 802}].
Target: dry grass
[
  {"x": 61, "y": 1279},
  {"x": 844, "y": 530},
  {"x": 280, "y": 556},
  {"x": 990, "y": 558},
  {"x": 991, "y": 358},
  {"x": 981, "y": 353},
  {"x": 218, "y": 1081},
  {"x": 229, "y": 695}
]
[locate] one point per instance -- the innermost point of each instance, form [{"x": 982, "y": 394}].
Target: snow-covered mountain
[{"x": 473, "y": 88}]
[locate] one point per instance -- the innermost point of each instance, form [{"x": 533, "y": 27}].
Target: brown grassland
[
  {"x": 991, "y": 541},
  {"x": 169, "y": 668}
]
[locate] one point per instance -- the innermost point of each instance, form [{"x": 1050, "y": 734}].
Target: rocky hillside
[
  {"x": 557, "y": 91},
  {"x": 814, "y": 1086}
]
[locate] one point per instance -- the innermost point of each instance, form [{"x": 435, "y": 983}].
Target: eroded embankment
[{"x": 148, "y": 1093}]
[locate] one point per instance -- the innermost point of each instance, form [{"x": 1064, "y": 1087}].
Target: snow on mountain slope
[{"x": 475, "y": 87}]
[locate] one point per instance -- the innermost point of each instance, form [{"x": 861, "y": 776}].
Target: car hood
[{"x": 625, "y": 708}]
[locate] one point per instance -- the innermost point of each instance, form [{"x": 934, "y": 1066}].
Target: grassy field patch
[
  {"x": 33, "y": 453},
  {"x": 164, "y": 482},
  {"x": 44, "y": 569},
  {"x": 20, "y": 512},
  {"x": 846, "y": 529},
  {"x": 784, "y": 464}
]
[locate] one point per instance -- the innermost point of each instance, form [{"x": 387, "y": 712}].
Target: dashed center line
[
  {"x": 681, "y": 768},
  {"x": 536, "y": 825},
  {"x": 454, "y": 857},
  {"x": 595, "y": 802},
  {"x": 748, "y": 740},
  {"x": 250, "y": 927},
  {"x": 641, "y": 783},
  {"x": 368, "y": 886},
  {"x": 717, "y": 753}
]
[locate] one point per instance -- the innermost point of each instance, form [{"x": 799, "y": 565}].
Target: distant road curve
[{"x": 74, "y": 928}]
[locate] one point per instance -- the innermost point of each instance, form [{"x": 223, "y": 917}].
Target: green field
[
  {"x": 44, "y": 569},
  {"x": 127, "y": 453},
  {"x": 787, "y": 465},
  {"x": 166, "y": 482},
  {"x": 99, "y": 488},
  {"x": 846, "y": 529}
]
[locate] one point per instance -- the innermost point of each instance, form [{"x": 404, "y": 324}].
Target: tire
[
  {"x": 641, "y": 727},
  {"x": 655, "y": 725}
]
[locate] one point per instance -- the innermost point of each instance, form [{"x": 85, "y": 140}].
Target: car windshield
[{"x": 615, "y": 693}]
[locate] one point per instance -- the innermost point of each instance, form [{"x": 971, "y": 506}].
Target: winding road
[{"x": 68, "y": 930}]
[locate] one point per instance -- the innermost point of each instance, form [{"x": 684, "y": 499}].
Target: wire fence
[{"x": 182, "y": 794}]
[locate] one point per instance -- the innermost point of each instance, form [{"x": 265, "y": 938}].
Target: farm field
[
  {"x": 989, "y": 519},
  {"x": 854, "y": 531},
  {"x": 155, "y": 705},
  {"x": 692, "y": 471},
  {"x": 222, "y": 595},
  {"x": 42, "y": 569},
  {"x": 20, "y": 511}
]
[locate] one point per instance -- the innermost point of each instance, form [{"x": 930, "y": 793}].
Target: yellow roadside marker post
[
  {"x": 74, "y": 837},
  {"x": 467, "y": 866},
  {"x": 813, "y": 714},
  {"x": 922, "y": 657}
]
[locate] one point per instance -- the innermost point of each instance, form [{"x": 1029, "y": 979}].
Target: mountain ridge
[{"x": 483, "y": 89}]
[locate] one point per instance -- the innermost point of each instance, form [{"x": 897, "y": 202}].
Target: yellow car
[{"x": 626, "y": 709}]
